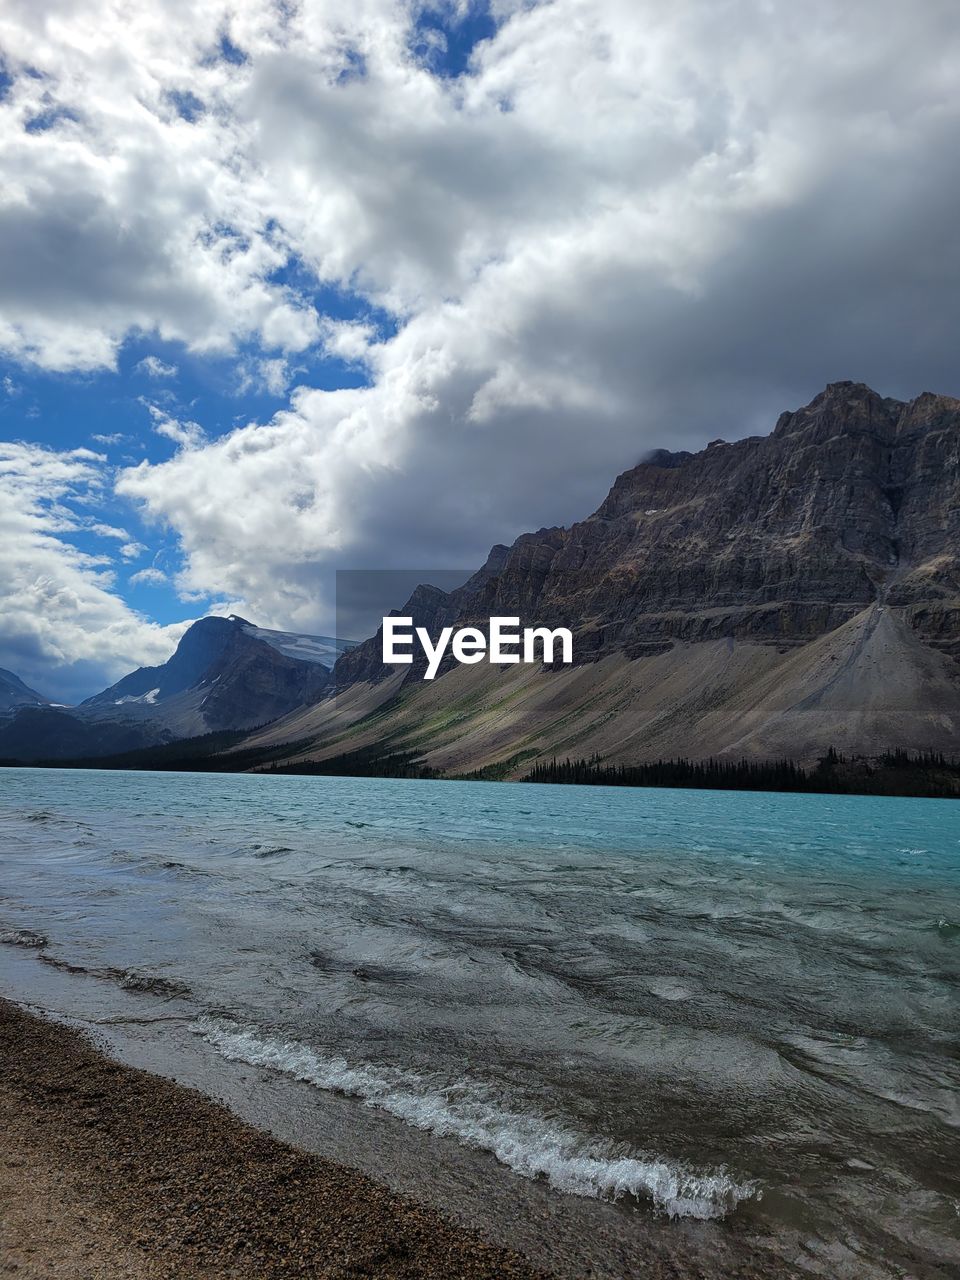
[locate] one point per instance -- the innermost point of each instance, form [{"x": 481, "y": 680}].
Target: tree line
[{"x": 894, "y": 772}]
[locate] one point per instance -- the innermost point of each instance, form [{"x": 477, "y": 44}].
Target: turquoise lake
[{"x": 732, "y": 1014}]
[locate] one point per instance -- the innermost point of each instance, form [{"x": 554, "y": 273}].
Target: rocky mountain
[
  {"x": 766, "y": 597},
  {"x": 14, "y": 693},
  {"x": 226, "y": 674},
  {"x": 223, "y": 673}
]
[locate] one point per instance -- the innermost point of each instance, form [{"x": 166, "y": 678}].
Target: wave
[
  {"x": 56, "y": 962},
  {"x": 530, "y": 1145},
  {"x": 22, "y": 938},
  {"x": 126, "y": 979},
  {"x": 260, "y": 850},
  {"x": 151, "y": 984}
]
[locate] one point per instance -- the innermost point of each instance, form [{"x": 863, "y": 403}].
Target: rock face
[
  {"x": 241, "y": 679},
  {"x": 201, "y": 647},
  {"x": 779, "y": 539},
  {"x": 225, "y": 674},
  {"x": 14, "y": 693},
  {"x": 775, "y": 539},
  {"x": 772, "y": 596}
]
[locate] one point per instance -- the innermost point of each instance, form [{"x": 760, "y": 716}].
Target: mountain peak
[
  {"x": 842, "y": 406},
  {"x": 927, "y": 408},
  {"x": 847, "y": 395},
  {"x": 14, "y": 693}
]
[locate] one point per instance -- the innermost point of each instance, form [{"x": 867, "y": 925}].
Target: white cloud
[
  {"x": 63, "y": 628},
  {"x": 154, "y": 367},
  {"x": 106, "y": 530},
  {"x": 122, "y": 216},
  {"x": 113, "y": 437},
  {"x": 350, "y": 341},
  {"x": 187, "y": 435},
  {"x": 264, "y": 375},
  {"x": 150, "y": 577},
  {"x": 632, "y": 224}
]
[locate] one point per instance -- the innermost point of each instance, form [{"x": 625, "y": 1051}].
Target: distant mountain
[
  {"x": 225, "y": 674},
  {"x": 53, "y": 733},
  {"x": 770, "y": 597},
  {"x": 14, "y": 693}
]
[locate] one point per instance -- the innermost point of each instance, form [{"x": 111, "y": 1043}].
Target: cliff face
[
  {"x": 852, "y": 500},
  {"x": 251, "y": 682},
  {"x": 779, "y": 539},
  {"x": 772, "y": 596},
  {"x": 222, "y": 676}
]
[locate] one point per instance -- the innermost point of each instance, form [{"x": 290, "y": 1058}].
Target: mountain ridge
[
  {"x": 225, "y": 674},
  {"x": 14, "y": 693},
  {"x": 769, "y": 597},
  {"x": 741, "y": 599}
]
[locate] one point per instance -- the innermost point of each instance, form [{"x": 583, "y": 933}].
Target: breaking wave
[{"x": 530, "y": 1145}]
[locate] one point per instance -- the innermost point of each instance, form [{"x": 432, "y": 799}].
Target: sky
[{"x": 290, "y": 288}]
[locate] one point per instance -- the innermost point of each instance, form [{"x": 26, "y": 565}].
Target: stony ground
[{"x": 107, "y": 1172}]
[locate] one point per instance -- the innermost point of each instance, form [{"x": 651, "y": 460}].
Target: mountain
[
  {"x": 52, "y": 733},
  {"x": 14, "y": 693},
  {"x": 225, "y": 674},
  {"x": 767, "y": 597},
  {"x": 217, "y": 648}
]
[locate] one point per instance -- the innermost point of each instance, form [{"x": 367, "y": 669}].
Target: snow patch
[
  {"x": 147, "y": 699},
  {"x": 324, "y": 650}
]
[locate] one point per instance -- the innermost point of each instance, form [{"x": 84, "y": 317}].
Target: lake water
[{"x": 706, "y": 1019}]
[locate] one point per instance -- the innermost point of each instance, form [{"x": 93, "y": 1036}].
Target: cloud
[
  {"x": 113, "y": 437},
  {"x": 119, "y": 215},
  {"x": 63, "y": 628},
  {"x": 626, "y": 225},
  {"x": 264, "y": 375},
  {"x": 153, "y": 367},
  {"x": 150, "y": 577},
  {"x": 187, "y": 435},
  {"x": 105, "y": 530},
  {"x": 349, "y": 340}
]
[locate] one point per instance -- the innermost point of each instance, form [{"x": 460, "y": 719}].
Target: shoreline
[
  {"x": 576, "y": 1028},
  {"x": 568, "y": 1236},
  {"x": 110, "y": 1171},
  {"x": 893, "y": 775}
]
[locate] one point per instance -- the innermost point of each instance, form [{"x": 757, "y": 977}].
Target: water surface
[{"x": 731, "y": 1008}]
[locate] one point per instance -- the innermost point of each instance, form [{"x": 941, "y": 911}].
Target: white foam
[{"x": 528, "y": 1144}]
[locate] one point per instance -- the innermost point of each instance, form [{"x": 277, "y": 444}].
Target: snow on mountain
[{"x": 323, "y": 649}]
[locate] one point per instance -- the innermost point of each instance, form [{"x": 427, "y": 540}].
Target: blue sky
[{"x": 109, "y": 410}]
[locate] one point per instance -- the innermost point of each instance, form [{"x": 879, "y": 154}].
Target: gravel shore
[{"x": 107, "y": 1171}]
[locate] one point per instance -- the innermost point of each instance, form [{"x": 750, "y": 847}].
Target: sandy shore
[{"x": 107, "y": 1172}]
